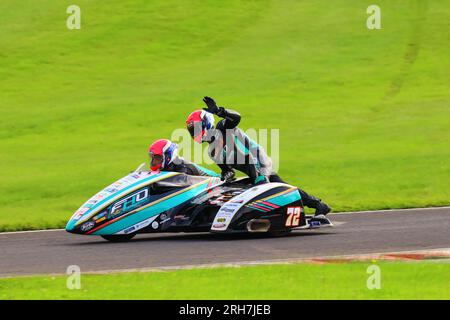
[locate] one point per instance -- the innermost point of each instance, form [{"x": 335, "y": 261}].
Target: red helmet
[
  {"x": 198, "y": 123},
  {"x": 162, "y": 152}
]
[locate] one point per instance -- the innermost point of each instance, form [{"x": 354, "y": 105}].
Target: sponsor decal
[
  {"x": 136, "y": 176},
  {"x": 97, "y": 197},
  {"x": 87, "y": 226},
  {"x": 77, "y": 216},
  {"x": 215, "y": 202},
  {"x": 129, "y": 202},
  {"x": 165, "y": 220},
  {"x": 129, "y": 230},
  {"x": 100, "y": 220},
  {"x": 139, "y": 225},
  {"x": 131, "y": 178},
  {"x": 225, "y": 214},
  {"x": 102, "y": 195},
  {"x": 100, "y": 215},
  {"x": 219, "y": 225},
  {"x": 155, "y": 225},
  {"x": 79, "y": 213},
  {"x": 144, "y": 223},
  {"x": 111, "y": 190},
  {"x": 314, "y": 223},
  {"x": 227, "y": 210},
  {"x": 230, "y": 208},
  {"x": 117, "y": 184}
]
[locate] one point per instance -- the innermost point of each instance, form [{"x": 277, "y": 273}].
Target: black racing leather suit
[
  {"x": 237, "y": 151},
  {"x": 232, "y": 149}
]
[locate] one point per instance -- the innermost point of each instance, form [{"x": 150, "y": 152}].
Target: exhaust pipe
[{"x": 258, "y": 225}]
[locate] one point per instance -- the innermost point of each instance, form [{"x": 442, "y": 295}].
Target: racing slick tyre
[{"x": 119, "y": 237}]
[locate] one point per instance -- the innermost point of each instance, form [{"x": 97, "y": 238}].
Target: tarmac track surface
[{"x": 45, "y": 252}]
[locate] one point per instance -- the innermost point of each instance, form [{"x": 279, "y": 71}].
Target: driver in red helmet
[{"x": 164, "y": 157}]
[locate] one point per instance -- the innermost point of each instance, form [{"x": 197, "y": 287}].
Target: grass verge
[{"x": 399, "y": 280}]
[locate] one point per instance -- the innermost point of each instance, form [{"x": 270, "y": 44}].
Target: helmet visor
[
  {"x": 156, "y": 161},
  {"x": 196, "y": 131},
  {"x": 190, "y": 128}
]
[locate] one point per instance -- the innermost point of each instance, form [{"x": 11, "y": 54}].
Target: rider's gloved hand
[
  {"x": 211, "y": 104},
  {"x": 227, "y": 176}
]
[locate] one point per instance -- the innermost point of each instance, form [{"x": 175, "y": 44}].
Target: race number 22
[{"x": 293, "y": 216}]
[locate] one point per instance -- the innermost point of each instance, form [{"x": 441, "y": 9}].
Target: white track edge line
[
  {"x": 391, "y": 210},
  {"x": 30, "y": 231},
  {"x": 356, "y": 256}
]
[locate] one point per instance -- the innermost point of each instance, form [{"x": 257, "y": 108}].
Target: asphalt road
[{"x": 355, "y": 233}]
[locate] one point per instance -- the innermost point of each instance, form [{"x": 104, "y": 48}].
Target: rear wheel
[{"x": 119, "y": 237}]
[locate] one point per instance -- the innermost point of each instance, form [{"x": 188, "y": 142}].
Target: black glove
[
  {"x": 227, "y": 176},
  {"x": 212, "y": 106}
]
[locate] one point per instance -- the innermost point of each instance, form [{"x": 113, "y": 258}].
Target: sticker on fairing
[
  {"x": 230, "y": 208},
  {"x": 138, "y": 226},
  {"x": 110, "y": 190}
]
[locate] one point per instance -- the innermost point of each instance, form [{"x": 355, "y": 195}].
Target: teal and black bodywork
[{"x": 144, "y": 202}]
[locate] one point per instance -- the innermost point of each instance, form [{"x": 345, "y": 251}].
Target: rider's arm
[
  {"x": 194, "y": 169},
  {"x": 232, "y": 118}
]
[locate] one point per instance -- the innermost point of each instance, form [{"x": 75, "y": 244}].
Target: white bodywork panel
[{"x": 230, "y": 208}]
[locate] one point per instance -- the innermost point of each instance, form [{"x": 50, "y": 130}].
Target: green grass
[
  {"x": 363, "y": 114},
  {"x": 418, "y": 280}
]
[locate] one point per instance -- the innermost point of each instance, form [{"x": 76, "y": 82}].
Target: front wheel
[{"x": 119, "y": 237}]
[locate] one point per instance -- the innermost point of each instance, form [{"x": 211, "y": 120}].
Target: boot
[
  {"x": 322, "y": 209},
  {"x": 312, "y": 202}
]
